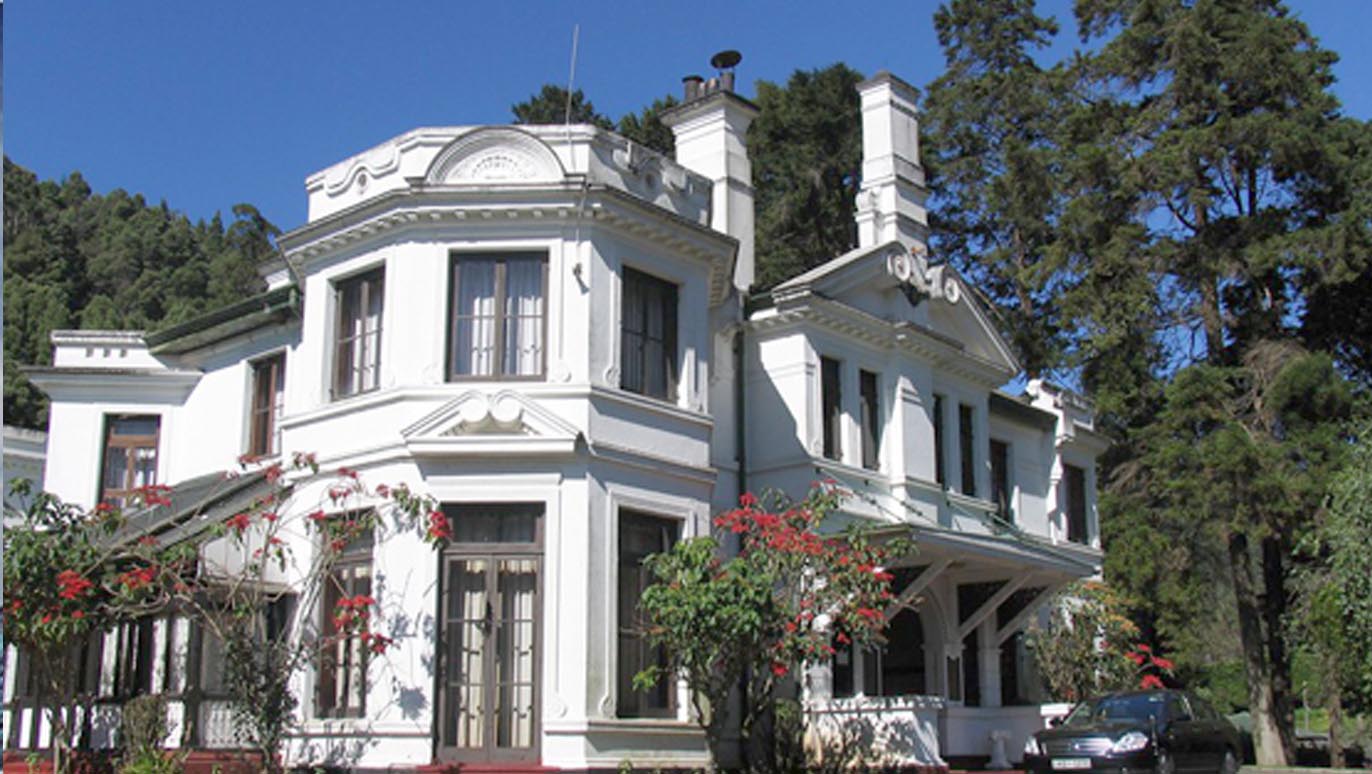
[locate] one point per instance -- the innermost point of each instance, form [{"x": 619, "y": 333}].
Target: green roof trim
[{"x": 226, "y": 322}]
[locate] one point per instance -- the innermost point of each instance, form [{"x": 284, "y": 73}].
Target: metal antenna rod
[{"x": 571, "y": 77}]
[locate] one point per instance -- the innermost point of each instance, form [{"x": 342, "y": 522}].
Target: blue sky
[{"x": 209, "y": 104}]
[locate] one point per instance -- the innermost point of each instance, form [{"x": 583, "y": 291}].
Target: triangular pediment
[
  {"x": 482, "y": 422},
  {"x": 892, "y": 283}
]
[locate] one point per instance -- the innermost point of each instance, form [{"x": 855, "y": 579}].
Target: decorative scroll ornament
[{"x": 921, "y": 280}]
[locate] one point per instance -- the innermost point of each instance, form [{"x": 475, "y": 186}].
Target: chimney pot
[{"x": 692, "y": 85}]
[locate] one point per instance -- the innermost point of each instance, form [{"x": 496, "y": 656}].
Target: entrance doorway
[{"x": 489, "y": 637}]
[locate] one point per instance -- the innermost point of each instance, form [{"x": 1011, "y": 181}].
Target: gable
[
  {"x": 898, "y": 285},
  {"x": 479, "y": 422}
]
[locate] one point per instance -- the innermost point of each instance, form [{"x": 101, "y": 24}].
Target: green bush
[{"x": 144, "y": 725}]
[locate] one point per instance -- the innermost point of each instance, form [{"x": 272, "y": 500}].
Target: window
[
  {"x": 831, "y": 407},
  {"x": 871, "y": 419},
  {"x": 1000, "y": 479},
  {"x": 268, "y": 398},
  {"x": 967, "y": 449},
  {"x": 940, "y": 464},
  {"x": 130, "y": 456},
  {"x": 1074, "y": 484},
  {"x": 342, "y": 685},
  {"x": 357, "y": 354},
  {"x": 648, "y": 336},
  {"x": 498, "y": 315},
  {"x": 640, "y": 535}
]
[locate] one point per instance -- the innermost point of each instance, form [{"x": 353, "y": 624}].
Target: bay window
[{"x": 499, "y": 317}]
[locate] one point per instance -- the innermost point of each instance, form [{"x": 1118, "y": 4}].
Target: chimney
[
  {"x": 890, "y": 202},
  {"x": 711, "y": 129}
]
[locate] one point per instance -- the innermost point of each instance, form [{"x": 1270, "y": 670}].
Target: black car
[{"x": 1141, "y": 732}]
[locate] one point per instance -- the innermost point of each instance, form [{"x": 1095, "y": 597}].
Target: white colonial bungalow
[{"x": 546, "y": 328}]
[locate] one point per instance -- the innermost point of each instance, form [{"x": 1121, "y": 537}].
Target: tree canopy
[{"x": 77, "y": 259}]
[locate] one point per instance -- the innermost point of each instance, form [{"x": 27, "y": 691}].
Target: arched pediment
[{"x": 495, "y": 155}]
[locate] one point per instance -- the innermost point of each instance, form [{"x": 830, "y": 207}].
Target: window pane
[
  {"x": 640, "y": 535},
  {"x": 831, "y": 408},
  {"x": 523, "y": 343},
  {"x": 871, "y": 419},
  {"x": 494, "y": 522},
  {"x": 648, "y": 351},
  {"x": 967, "y": 447}
]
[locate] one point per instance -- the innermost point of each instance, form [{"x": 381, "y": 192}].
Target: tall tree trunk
[
  {"x": 1262, "y": 704},
  {"x": 1275, "y": 549},
  {"x": 1335, "y": 706}
]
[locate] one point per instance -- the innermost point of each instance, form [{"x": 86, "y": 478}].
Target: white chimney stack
[
  {"x": 711, "y": 130},
  {"x": 890, "y": 201}
]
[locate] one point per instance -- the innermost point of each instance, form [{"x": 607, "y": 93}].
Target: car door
[{"x": 1180, "y": 734}]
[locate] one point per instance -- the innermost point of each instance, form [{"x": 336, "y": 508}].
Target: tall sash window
[
  {"x": 357, "y": 353},
  {"x": 499, "y": 316}
]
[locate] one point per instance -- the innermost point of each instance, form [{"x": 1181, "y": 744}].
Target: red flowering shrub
[{"x": 787, "y": 591}]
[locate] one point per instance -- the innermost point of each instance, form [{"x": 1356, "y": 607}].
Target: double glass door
[{"x": 489, "y": 649}]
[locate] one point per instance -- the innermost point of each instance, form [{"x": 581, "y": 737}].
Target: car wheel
[
  {"x": 1230, "y": 764},
  {"x": 1166, "y": 764}
]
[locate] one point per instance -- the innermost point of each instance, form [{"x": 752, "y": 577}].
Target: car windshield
[{"x": 1135, "y": 707}]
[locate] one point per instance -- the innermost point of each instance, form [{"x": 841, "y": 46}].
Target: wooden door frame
[{"x": 493, "y": 552}]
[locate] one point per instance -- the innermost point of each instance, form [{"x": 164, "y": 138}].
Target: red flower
[
  {"x": 103, "y": 508},
  {"x": 269, "y": 516},
  {"x": 1144, "y": 648},
  {"x": 273, "y": 473},
  {"x": 138, "y": 577},
  {"x": 317, "y": 516},
  {"x": 1137, "y": 658},
  {"x": 1163, "y": 663},
  {"x": 779, "y": 669},
  {"x": 71, "y": 584},
  {"x": 1150, "y": 681},
  {"x": 239, "y": 522},
  {"x": 747, "y": 500},
  {"x": 440, "y": 529},
  {"x": 347, "y": 473},
  {"x": 337, "y": 493},
  {"x": 843, "y": 639},
  {"x": 47, "y": 618},
  {"x": 382, "y": 490},
  {"x": 78, "y": 615}
]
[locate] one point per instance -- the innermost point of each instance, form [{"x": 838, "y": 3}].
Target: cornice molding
[{"x": 425, "y": 207}]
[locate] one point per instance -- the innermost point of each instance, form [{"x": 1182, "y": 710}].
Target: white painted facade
[{"x": 573, "y": 441}]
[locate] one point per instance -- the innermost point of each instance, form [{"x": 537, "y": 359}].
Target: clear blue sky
[{"x": 206, "y": 104}]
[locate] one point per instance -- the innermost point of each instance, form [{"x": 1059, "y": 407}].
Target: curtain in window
[
  {"x": 524, "y": 317},
  {"x": 474, "y": 345},
  {"x": 466, "y": 676},
  {"x": 518, "y": 582}
]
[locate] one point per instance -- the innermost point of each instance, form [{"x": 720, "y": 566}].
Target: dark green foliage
[
  {"x": 549, "y": 106},
  {"x": 75, "y": 259},
  {"x": 647, "y": 128},
  {"x": 806, "y": 150},
  {"x": 143, "y": 725},
  {"x": 994, "y": 167}
]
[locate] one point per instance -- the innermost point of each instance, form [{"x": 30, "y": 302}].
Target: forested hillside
[{"x": 78, "y": 259}]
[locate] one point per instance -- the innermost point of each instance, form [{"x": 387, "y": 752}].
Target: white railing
[{"x": 875, "y": 731}]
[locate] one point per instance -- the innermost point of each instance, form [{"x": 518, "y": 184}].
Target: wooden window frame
[
  {"x": 666, "y": 294},
  {"x": 369, "y": 283},
  {"x": 500, "y": 318},
  {"x": 967, "y": 447},
  {"x": 343, "y": 581},
  {"x": 1002, "y": 485},
  {"x": 831, "y": 407},
  {"x": 669, "y": 533},
  {"x": 128, "y": 446},
  {"x": 869, "y": 401},
  {"x": 940, "y": 444},
  {"x": 1075, "y": 515},
  {"x": 264, "y": 420}
]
